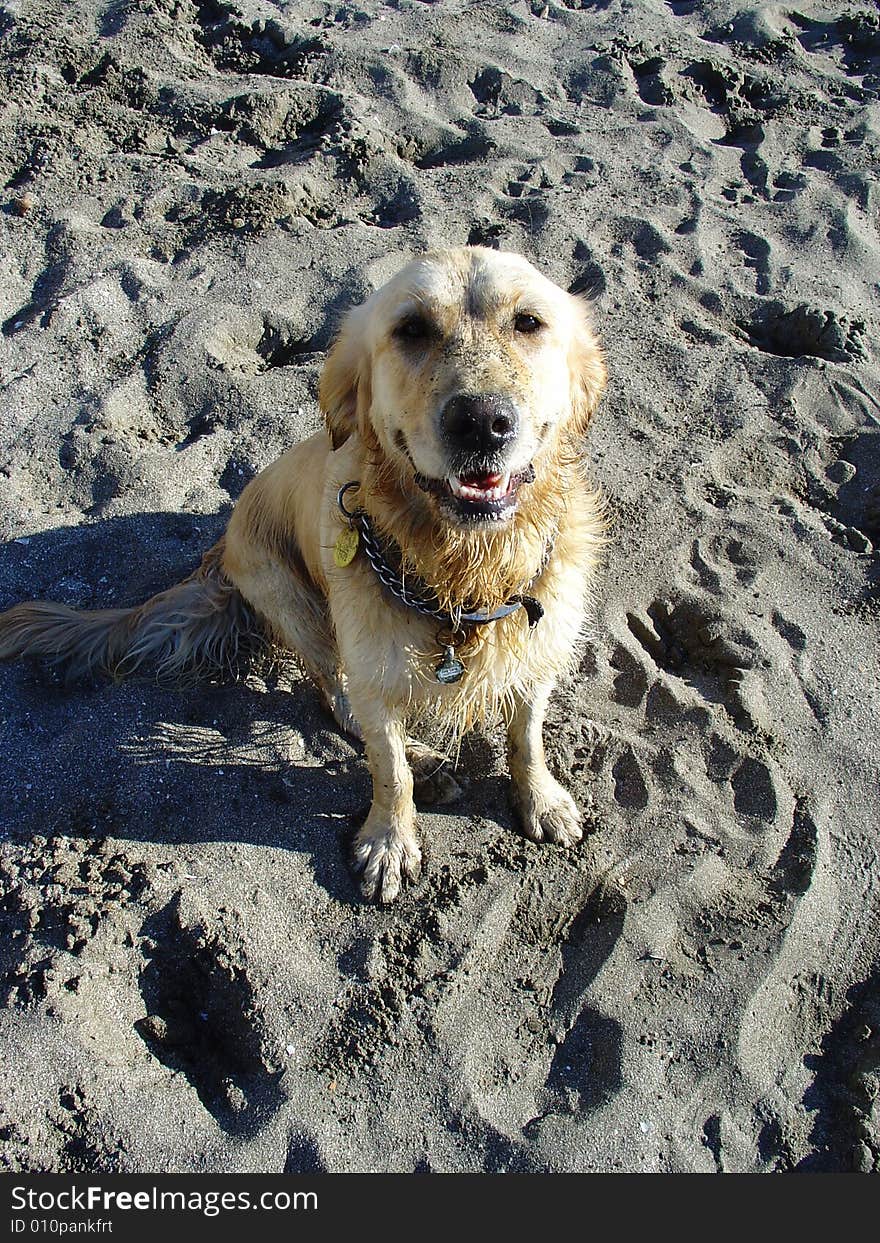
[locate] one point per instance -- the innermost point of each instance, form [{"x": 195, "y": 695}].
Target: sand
[{"x": 194, "y": 192}]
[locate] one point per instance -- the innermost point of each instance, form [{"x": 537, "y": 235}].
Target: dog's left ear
[
  {"x": 344, "y": 388},
  {"x": 586, "y": 370}
]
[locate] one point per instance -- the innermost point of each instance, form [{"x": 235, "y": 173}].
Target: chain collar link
[{"x": 421, "y": 598}]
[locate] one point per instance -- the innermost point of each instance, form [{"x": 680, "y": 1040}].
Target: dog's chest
[{"x": 412, "y": 661}]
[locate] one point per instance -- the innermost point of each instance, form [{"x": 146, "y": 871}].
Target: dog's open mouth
[{"x": 479, "y": 495}]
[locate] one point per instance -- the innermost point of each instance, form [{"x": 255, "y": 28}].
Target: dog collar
[{"x": 415, "y": 594}]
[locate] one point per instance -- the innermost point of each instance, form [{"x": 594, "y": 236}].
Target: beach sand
[{"x": 195, "y": 190}]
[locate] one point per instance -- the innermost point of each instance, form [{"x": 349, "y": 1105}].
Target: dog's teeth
[
  {"x": 473, "y": 492},
  {"x": 454, "y": 485}
]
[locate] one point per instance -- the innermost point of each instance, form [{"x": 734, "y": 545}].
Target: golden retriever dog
[{"x": 427, "y": 556}]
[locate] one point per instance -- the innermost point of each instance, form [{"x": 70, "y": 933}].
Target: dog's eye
[
  {"x": 415, "y": 329},
  {"x": 528, "y": 324}
]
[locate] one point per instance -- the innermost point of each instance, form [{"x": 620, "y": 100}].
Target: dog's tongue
[
  {"x": 480, "y": 486},
  {"x": 482, "y": 480}
]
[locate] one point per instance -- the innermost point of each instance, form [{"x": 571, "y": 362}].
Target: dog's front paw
[
  {"x": 549, "y": 813},
  {"x": 384, "y": 854}
]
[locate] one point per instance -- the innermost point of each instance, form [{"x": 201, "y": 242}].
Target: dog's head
[{"x": 463, "y": 372}]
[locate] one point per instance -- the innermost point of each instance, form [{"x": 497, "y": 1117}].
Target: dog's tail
[{"x": 203, "y": 627}]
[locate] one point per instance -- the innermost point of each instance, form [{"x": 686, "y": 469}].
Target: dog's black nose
[{"x": 483, "y": 424}]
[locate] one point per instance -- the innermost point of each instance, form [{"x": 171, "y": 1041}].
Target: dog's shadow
[{"x": 257, "y": 762}]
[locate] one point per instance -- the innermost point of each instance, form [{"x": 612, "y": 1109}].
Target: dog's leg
[
  {"x": 333, "y": 686},
  {"x": 433, "y": 772},
  {"x": 385, "y": 849},
  {"x": 548, "y": 811}
]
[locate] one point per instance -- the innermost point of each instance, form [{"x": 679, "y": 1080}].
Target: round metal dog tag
[
  {"x": 345, "y": 547},
  {"x": 450, "y": 668}
]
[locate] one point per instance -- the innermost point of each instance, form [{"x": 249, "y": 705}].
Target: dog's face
[{"x": 464, "y": 370}]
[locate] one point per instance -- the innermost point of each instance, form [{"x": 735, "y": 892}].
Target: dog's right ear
[{"x": 344, "y": 388}]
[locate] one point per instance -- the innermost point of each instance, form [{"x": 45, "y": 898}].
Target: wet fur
[
  {"x": 272, "y": 578},
  {"x": 201, "y": 628}
]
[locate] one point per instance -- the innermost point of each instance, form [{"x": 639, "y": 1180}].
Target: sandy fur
[{"x": 273, "y": 574}]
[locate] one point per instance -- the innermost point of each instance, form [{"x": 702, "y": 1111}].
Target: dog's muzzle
[{"x": 478, "y": 433}]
